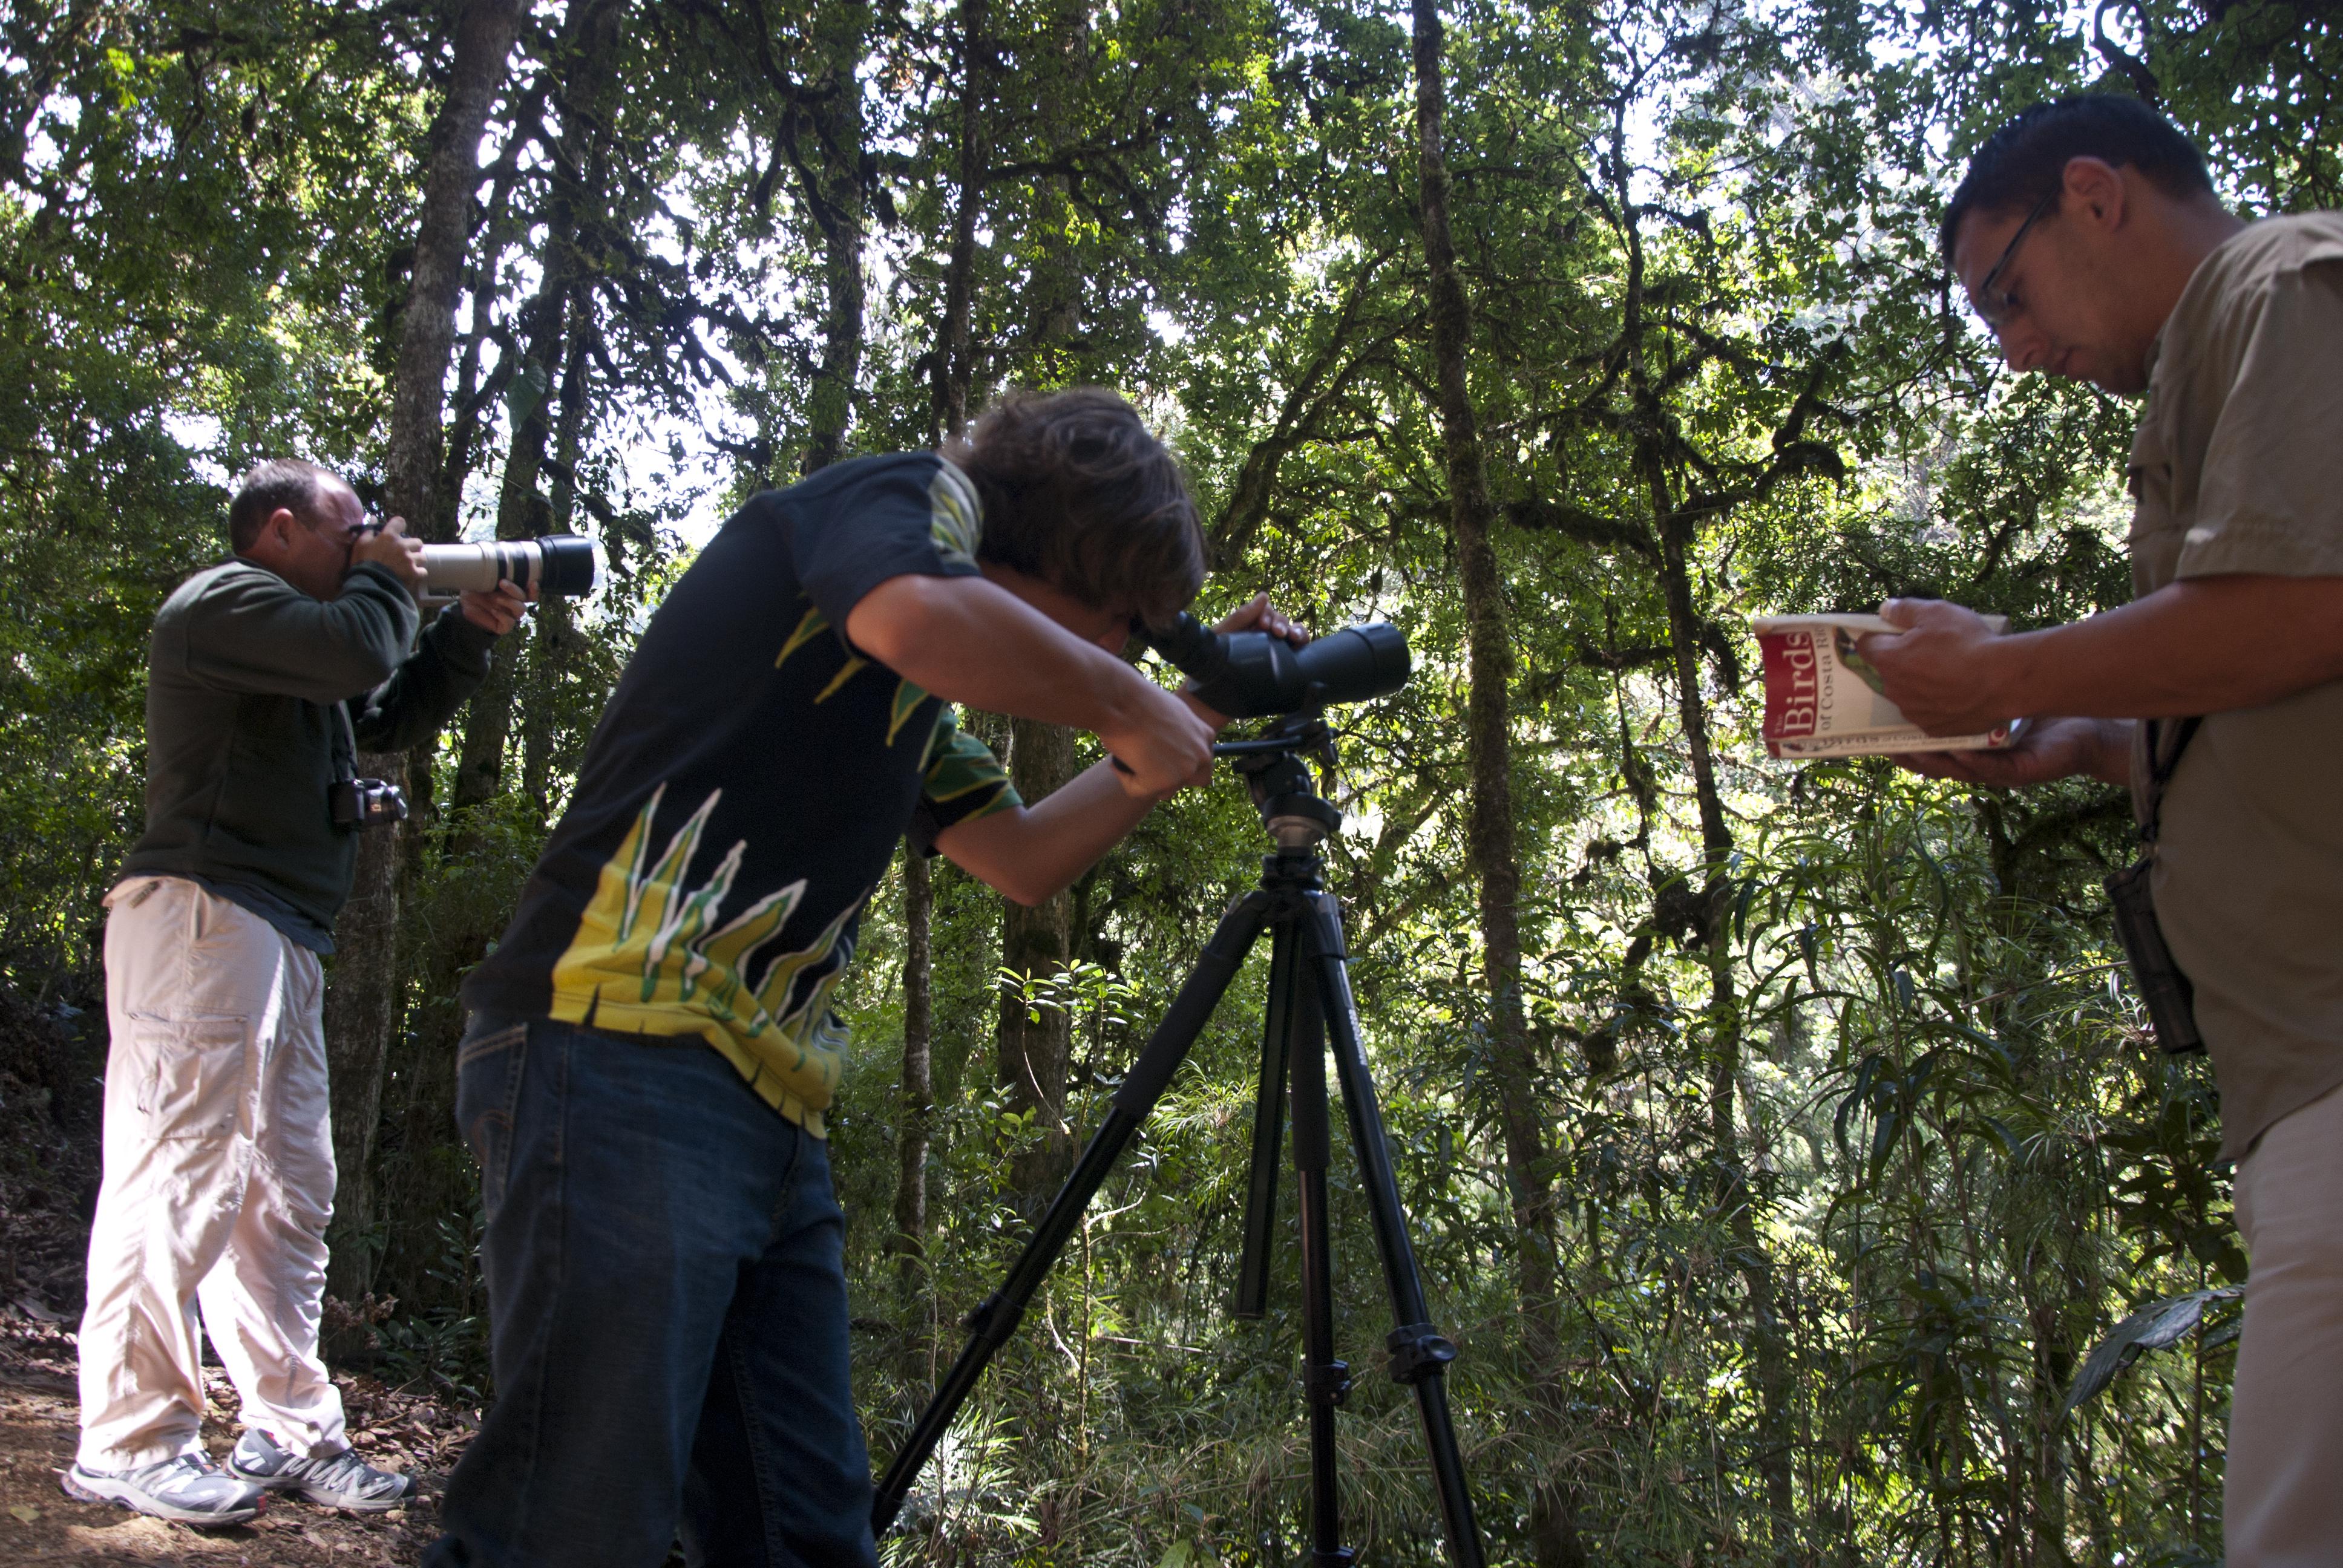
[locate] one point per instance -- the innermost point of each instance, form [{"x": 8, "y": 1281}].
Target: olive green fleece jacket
[{"x": 245, "y": 675}]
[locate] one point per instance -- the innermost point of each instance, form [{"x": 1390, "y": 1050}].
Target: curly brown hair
[{"x": 1078, "y": 492}]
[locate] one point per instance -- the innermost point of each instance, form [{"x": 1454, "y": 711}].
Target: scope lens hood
[{"x": 1355, "y": 664}]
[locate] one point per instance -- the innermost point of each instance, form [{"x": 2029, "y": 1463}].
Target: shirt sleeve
[
  {"x": 448, "y": 665},
  {"x": 912, "y": 518},
  {"x": 253, "y": 631},
  {"x": 964, "y": 782},
  {"x": 2271, "y": 497}
]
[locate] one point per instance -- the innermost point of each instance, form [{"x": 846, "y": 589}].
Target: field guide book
[{"x": 1822, "y": 700}]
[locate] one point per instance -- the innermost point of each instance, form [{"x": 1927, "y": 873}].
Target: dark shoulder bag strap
[
  {"x": 2160, "y": 771},
  {"x": 2163, "y": 988}
]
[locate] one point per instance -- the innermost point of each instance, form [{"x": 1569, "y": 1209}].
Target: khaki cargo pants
[
  {"x": 218, "y": 1181},
  {"x": 2283, "y": 1504}
]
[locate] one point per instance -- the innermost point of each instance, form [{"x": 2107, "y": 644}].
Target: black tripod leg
[
  {"x": 991, "y": 1324},
  {"x": 1278, "y": 1037},
  {"x": 1325, "y": 1379},
  {"x": 1418, "y": 1352}
]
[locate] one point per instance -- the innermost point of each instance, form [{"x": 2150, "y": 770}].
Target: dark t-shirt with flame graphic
[{"x": 745, "y": 790}]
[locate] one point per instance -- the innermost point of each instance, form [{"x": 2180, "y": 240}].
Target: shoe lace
[
  {"x": 347, "y": 1473},
  {"x": 180, "y": 1469}
]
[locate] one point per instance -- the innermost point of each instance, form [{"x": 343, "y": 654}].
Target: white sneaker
[
  {"x": 337, "y": 1481},
  {"x": 187, "y": 1490}
]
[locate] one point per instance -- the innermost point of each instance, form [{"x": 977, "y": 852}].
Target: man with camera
[
  {"x": 651, "y": 1051},
  {"x": 266, "y": 674},
  {"x": 2088, "y": 235}
]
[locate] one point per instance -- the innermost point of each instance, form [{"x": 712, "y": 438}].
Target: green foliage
[{"x": 1857, "y": 1145}]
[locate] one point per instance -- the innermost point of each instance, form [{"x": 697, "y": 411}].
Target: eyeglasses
[{"x": 1994, "y": 308}]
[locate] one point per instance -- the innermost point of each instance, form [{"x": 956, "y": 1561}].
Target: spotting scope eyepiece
[
  {"x": 1253, "y": 675},
  {"x": 559, "y": 565}
]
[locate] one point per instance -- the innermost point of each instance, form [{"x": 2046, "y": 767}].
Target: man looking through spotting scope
[
  {"x": 264, "y": 675},
  {"x": 651, "y": 1049},
  {"x": 2089, "y": 239}
]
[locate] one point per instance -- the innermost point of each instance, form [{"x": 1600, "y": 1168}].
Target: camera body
[
  {"x": 1253, "y": 675},
  {"x": 366, "y": 802}
]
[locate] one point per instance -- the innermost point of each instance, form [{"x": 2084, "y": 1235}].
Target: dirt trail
[{"x": 39, "y": 1523}]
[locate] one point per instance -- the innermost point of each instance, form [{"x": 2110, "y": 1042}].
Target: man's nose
[{"x": 2022, "y": 347}]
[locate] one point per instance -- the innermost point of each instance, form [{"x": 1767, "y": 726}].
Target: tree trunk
[
  {"x": 1490, "y": 835},
  {"x": 954, "y": 371},
  {"x": 551, "y": 638},
  {"x": 918, "y": 1101},
  {"x": 1734, "y": 1199},
  {"x": 833, "y": 191},
  {"x": 555, "y": 314},
  {"x": 522, "y": 513},
  {"x": 1035, "y": 1043},
  {"x": 946, "y": 419},
  {"x": 433, "y": 1178},
  {"x": 362, "y": 1005},
  {"x": 485, "y": 31},
  {"x": 362, "y": 1009}
]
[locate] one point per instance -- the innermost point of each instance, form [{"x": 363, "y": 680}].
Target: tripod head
[{"x": 1276, "y": 769}]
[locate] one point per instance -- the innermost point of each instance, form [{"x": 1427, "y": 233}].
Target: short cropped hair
[
  {"x": 2026, "y": 160},
  {"x": 286, "y": 482},
  {"x": 1078, "y": 492}
]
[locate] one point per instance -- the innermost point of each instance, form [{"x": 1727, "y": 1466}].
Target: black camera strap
[
  {"x": 2163, "y": 989},
  {"x": 356, "y": 803},
  {"x": 346, "y": 763},
  {"x": 2160, "y": 773}
]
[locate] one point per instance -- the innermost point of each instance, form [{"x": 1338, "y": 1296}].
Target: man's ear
[
  {"x": 2096, "y": 191},
  {"x": 274, "y": 538}
]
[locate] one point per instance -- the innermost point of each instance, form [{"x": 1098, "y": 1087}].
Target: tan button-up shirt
[{"x": 2238, "y": 467}]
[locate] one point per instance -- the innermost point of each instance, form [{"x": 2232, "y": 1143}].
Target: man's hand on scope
[
  {"x": 388, "y": 547},
  {"x": 1166, "y": 744},
  {"x": 1013, "y": 643},
  {"x": 498, "y": 609},
  {"x": 1256, "y": 614}
]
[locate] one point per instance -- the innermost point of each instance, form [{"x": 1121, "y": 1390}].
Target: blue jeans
[{"x": 666, "y": 1291}]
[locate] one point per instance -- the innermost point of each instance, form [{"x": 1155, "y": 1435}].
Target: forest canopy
[{"x": 1780, "y": 1140}]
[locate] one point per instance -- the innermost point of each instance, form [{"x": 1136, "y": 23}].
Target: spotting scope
[
  {"x": 1253, "y": 675},
  {"x": 558, "y": 566}
]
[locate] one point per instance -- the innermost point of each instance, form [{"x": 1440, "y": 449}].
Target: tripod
[{"x": 1309, "y": 990}]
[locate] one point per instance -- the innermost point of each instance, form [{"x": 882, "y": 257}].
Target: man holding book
[{"x": 2088, "y": 235}]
